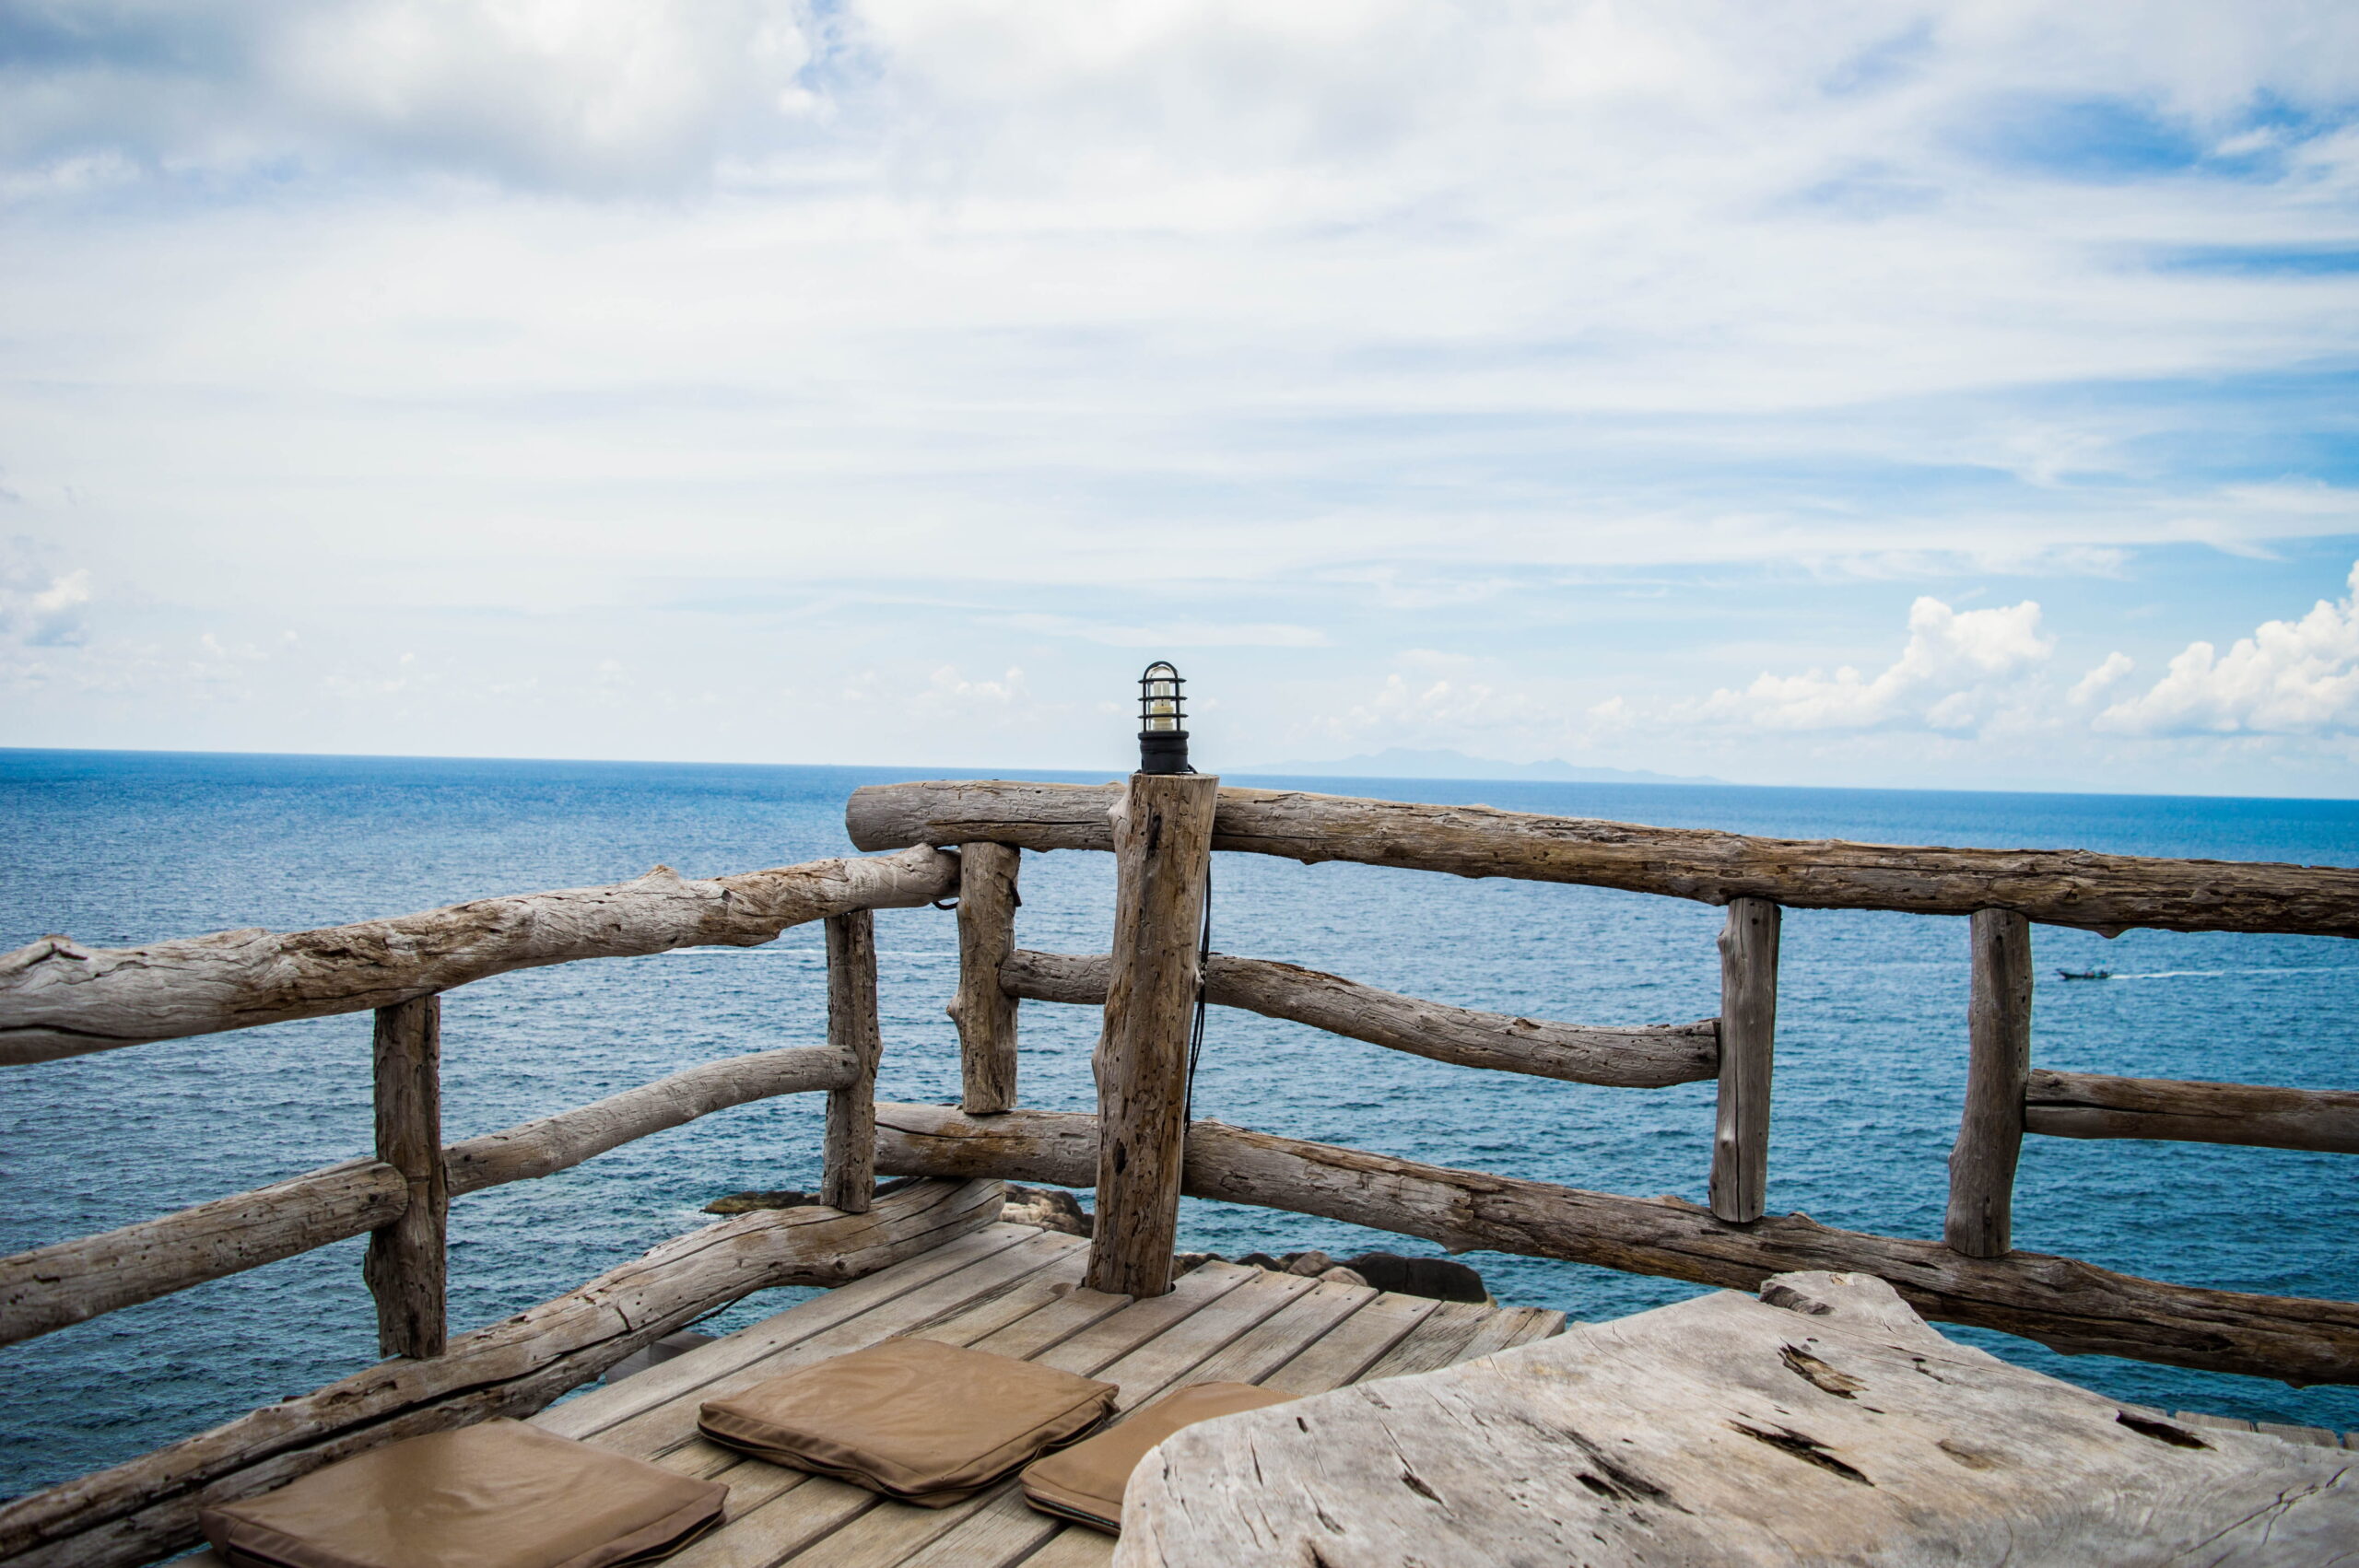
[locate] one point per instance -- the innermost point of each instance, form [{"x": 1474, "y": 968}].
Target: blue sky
[{"x": 1903, "y": 394}]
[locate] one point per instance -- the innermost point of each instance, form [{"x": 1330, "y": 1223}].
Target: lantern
[{"x": 1163, "y": 722}]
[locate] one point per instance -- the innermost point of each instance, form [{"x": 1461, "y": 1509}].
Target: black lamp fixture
[{"x": 1163, "y": 723}]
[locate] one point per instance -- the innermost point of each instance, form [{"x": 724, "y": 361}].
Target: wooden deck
[{"x": 1017, "y": 1291}]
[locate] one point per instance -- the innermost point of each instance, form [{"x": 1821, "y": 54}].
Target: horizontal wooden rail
[
  {"x": 2072, "y": 1307},
  {"x": 560, "y": 1141},
  {"x": 52, "y": 1286},
  {"x": 2063, "y": 887},
  {"x": 59, "y": 999},
  {"x": 1648, "y": 1056},
  {"x": 2084, "y": 1105},
  {"x": 147, "y": 1508}
]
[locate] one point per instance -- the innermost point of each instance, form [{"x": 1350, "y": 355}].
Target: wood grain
[
  {"x": 142, "y": 1510},
  {"x": 984, "y": 1009},
  {"x": 1740, "y": 1183},
  {"x": 407, "y": 1266},
  {"x": 1832, "y": 1426},
  {"x": 61, "y": 1000},
  {"x": 1644, "y": 1056},
  {"x": 2065, "y": 887},
  {"x": 2072, "y": 1307},
  {"x": 2083, "y": 1104},
  {"x": 50, "y": 1287},
  {"x": 849, "y": 1158},
  {"x": 1162, "y": 837},
  {"x": 1980, "y": 1218}
]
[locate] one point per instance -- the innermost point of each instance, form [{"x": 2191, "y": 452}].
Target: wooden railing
[
  {"x": 1974, "y": 1275},
  {"x": 1140, "y": 1150},
  {"x": 60, "y": 999}
]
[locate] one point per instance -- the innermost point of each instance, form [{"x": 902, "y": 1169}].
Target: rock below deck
[{"x": 1823, "y": 1423}]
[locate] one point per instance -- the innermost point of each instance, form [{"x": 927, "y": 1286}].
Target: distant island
[{"x": 1403, "y": 762}]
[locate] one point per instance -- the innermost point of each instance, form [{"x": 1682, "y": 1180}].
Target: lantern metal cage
[{"x": 1163, "y": 720}]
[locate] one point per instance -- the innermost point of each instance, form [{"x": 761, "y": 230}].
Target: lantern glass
[{"x": 1162, "y": 716}]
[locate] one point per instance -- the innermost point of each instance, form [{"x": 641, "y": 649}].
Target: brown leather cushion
[
  {"x": 499, "y": 1494},
  {"x": 926, "y": 1422},
  {"x": 1085, "y": 1482}
]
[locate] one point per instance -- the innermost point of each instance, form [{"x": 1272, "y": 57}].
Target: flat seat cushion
[
  {"x": 1085, "y": 1482},
  {"x": 925, "y": 1423},
  {"x": 498, "y": 1494}
]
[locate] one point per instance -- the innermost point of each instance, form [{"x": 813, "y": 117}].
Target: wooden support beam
[
  {"x": 1162, "y": 837},
  {"x": 2070, "y": 1305},
  {"x": 147, "y": 1508},
  {"x": 407, "y": 1266},
  {"x": 60, "y": 999},
  {"x": 855, "y": 1035},
  {"x": 2085, "y": 1105},
  {"x": 983, "y": 1010},
  {"x": 2063, "y": 887},
  {"x": 1647, "y": 1056},
  {"x": 560, "y": 1141},
  {"x": 1990, "y": 1129},
  {"x": 52, "y": 1286},
  {"x": 1740, "y": 1186}
]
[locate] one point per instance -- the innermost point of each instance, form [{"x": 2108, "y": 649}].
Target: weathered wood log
[
  {"x": 983, "y": 1009},
  {"x": 139, "y": 1510},
  {"x": 407, "y": 1268},
  {"x": 1740, "y": 1183},
  {"x": 1821, "y": 1423},
  {"x": 854, "y": 1034},
  {"x": 1646, "y": 1056},
  {"x": 1162, "y": 831},
  {"x": 1980, "y": 1218},
  {"x": 2070, "y": 1305},
  {"x": 558, "y": 1142},
  {"x": 2064, "y": 887},
  {"x": 2084, "y": 1105},
  {"x": 59, "y": 999},
  {"x": 52, "y": 1286}
]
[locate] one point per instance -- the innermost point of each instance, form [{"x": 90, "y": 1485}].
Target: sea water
[{"x": 116, "y": 848}]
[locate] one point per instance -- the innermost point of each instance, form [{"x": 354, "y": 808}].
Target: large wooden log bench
[{"x": 1823, "y": 1423}]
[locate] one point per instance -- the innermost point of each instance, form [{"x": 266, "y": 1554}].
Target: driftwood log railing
[{"x": 1139, "y": 1150}]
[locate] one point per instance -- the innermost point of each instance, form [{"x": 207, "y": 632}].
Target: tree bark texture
[
  {"x": 52, "y": 1286},
  {"x": 854, "y": 1034},
  {"x": 1646, "y": 1056},
  {"x": 1740, "y": 1185},
  {"x": 1990, "y": 1129},
  {"x": 1162, "y": 837},
  {"x": 1821, "y": 1423},
  {"x": 138, "y": 1512},
  {"x": 2064, "y": 887},
  {"x": 2083, "y": 1104},
  {"x": 407, "y": 1266},
  {"x": 2070, "y": 1305},
  {"x": 983, "y": 1010},
  {"x": 60, "y": 999}
]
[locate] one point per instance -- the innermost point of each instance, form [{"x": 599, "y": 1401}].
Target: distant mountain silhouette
[{"x": 1403, "y": 762}]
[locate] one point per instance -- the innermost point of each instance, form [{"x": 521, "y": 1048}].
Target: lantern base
[{"x": 1164, "y": 751}]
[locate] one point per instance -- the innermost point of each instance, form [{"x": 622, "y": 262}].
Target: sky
[{"x": 1954, "y": 395}]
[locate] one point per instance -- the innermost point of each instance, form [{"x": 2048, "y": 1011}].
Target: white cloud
[
  {"x": 1956, "y": 669},
  {"x": 40, "y": 607},
  {"x": 2094, "y": 685},
  {"x": 2288, "y": 678},
  {"x": 1174, "y": 634}
]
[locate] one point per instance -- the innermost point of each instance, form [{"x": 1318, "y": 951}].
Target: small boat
[{"x": 2084, "y": 974}]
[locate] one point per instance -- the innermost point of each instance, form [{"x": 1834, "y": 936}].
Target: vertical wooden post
[
  {"x": 1748, "y": 1040},
  {"x": 850, "y": 1151},
  {"x": 1163, "y": 836},
  {"x": 985, "y": 1014},
  {"x": 1980, "y": 1222},
  {"x": 407, "y": 1267}
]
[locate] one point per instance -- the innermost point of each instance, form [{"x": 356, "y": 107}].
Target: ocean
[{"x": 124, "y": 847}]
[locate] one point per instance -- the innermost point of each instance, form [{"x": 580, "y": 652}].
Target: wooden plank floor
[{"x": 1017, "y": 1291}]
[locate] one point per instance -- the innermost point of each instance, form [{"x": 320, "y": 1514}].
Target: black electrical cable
[{"x": 1204, "y": 959}]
